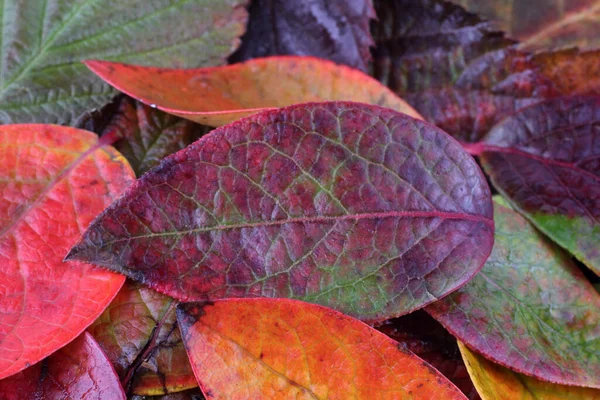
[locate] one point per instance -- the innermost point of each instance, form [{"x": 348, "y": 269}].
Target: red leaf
[
  {"x": 545, "y": 160},
  {"x": 325, "y": 202},
  {"x": 79, "y": 371},
  {"x": 53, "y": 182},
  {"x": 217, "y": 96},
  {"x": 282, "y": 349}
]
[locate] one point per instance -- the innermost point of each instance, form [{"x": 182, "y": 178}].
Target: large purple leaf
[
  {"x": 545, "y": 160},
  {"x": 356, "y": 207},
  {"x": 529, "y": 309}
]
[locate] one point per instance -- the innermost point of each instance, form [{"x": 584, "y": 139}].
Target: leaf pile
[{"x": 335, "y": 236}]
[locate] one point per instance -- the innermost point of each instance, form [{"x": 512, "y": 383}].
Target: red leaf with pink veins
[
  {"x": 356, "y": 207},
  {"x": 79, "y": 371}
]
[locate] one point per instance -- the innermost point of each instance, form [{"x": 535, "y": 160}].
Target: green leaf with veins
[{"x": 43, "y": 43}]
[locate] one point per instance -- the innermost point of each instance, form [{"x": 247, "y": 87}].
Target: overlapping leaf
[
  {"x": 217, "y": 96},
  {"x": 543, "y": 24},
  {"x": 280, "y": 348},
  {"x": 43, "y": 42},
  {"x": 53, "y": 182},
  {"x": 143, "y": 134},
  {"x": 461, "y": 73},
  {"x": 352, "y": 206},
  {"x": 495, "y": 382},
  {"x": 138, "y": 333},
  {"x": 77, "y": 371},
  {"x": 529, "y": 308},
  {"x": 546, "y": 161},
  {"x": 334, "y": 30},
  {"x": 426, "y": 338}
]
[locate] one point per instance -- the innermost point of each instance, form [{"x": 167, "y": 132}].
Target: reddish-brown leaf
[
  {"x": 138, "y": 331},
  {"x": 462, "y": 74},
  {"x": 217, "y": 96},
  {"x": 143, "y": 135},
  {"x": 334, "y": 30},
  {"x": 53, "y": 182},
  {"x": 281, "y": 349},
  {"x": 545, "y": 160},
  {"x": 353, "y": 206},
  {"x": 78, "y": 371}
]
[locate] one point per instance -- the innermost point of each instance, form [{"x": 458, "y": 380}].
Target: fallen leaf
[
  {"x": 545, "y": 160},
  {"x": 78, "y": 371},
  {"x": 495, "y": 382},
  {"x": 138, "y": 332},
  {"x": 53, "y": 182},
  {"x": 352, "y": 206},
  {"x": 427, "y": 339},
  {"x": 217, "y": 96},
  {"x": 543, "y": 24},
  {"x": 43, "y": 42},
  {"x": 281, "y": 349},
  {"x": 462, "y": 74},
  {"x": 529, "y": 309},
  {"x": 334, "y": 30},
  {"x": 191, "y": 394},
  {"x": 144, "y": 135}
]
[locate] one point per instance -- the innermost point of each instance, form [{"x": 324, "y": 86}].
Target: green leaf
[{"x": 43, "y": 43}]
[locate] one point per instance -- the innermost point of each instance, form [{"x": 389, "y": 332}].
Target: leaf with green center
[
  {"x": 53, "y": 181},
  {"x": 543, "y": 24},
  {"x": 138, "y": 333},
  {"x": 145, "y": 135},
  {"x": 353, "y": 206},
  {"x": 545, "y": 160},
  {"x": 43, "y": 42},
  {"x": 495, "y": 382},
  {"x": 334, "y": 30},
  {"x": 284, "y": 349},
  {"x": 217, "y": 96},
  {"x": 77, "y": 371},
  {"x": 463, "y": 75},
  {"x": 529, "y": 308}
]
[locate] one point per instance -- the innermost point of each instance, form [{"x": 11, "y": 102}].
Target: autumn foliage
[{"x": 266, "y": 199}]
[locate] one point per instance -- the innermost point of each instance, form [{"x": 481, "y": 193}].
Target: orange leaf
[
  {"x": 282, "y": 348},
  {"x": 220, "y": 95},
  {"x": 53, "y": 181}
]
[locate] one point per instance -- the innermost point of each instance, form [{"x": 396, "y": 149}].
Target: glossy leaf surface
[
  {"x": 546, "y": 161},
  {"x": 529, "y": 308},
  {"x": 138, "y": 332},
  {"x": 53, "y": 182},
  {"x": 495, "y": 382},
  {"x": 543, "y": 24},
  {"x": 217, "y": 96},
  {"x": 144, "y": 135},
  {"x": 334, "y": 30},
  {"x": 426, "y": 338},
  {"x": 44, "y": 41},
  {"x": 78, "y": 371},
  {"x": 461, "y": 73},
  {"x": 352, "y": 206},
  {"x": 280, "y": 348}
]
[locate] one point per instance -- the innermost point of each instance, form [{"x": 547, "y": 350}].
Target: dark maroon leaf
[
  {"x": 334, "y": 30},
  {"x": 545, "y": 160},
  {"x": 357, "y": 207},
  {"x": 145, "y": 135},
  {"x": 425, "y": 337},
  {"x": 462, "y": 74},
  {"x": 79, "y": 370}
]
